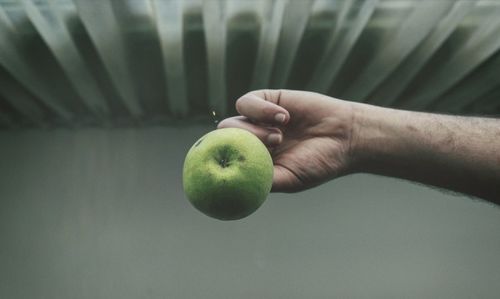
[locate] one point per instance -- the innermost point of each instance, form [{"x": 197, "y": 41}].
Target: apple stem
[{"x": 224, "y": 163}]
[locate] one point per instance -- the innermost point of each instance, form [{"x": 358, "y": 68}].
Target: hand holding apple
[
  {"x": 314, "y": 138},
  {"x": 309, "y": 134}
]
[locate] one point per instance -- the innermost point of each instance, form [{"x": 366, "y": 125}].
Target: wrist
[{"x": 372, "y": 137}]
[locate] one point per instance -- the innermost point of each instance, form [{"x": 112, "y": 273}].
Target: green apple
[{"x": 228, "y": 174}]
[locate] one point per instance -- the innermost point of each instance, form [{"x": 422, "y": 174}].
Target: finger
[
  {"x": 258, "y": 109},
  {"x": 268, "y": 135},
  {"x": 284, "y": 180}
]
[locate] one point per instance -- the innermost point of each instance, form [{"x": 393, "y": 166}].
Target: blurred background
[{"x": 100, "y": 101}]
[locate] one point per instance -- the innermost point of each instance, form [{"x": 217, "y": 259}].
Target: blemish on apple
[{"x": 198, "y": 142}]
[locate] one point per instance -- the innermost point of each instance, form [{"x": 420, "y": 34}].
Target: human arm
[
  {"x": 457, "y": 153},
  {"x": 322, "y": 138}
]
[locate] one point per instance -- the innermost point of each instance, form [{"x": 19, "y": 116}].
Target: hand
[{"x": 308, "y": 134}]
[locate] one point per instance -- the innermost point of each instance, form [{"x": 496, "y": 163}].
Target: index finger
[{"x": 256, "y": 108}]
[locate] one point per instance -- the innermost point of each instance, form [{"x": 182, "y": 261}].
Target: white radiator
[{"x": 135, "y": 62}]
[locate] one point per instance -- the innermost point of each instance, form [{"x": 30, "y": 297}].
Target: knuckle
[
  {"x": 272, "y": 95},
  {"x": 240, "y": 103}
]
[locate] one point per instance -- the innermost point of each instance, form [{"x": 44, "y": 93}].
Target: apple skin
[{"x": 228, "y": 174}]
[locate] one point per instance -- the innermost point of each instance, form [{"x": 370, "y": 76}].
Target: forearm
[{"x": 457, "y": 153}]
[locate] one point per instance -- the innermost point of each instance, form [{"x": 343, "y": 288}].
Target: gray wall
[{"x": 101, "y": 214}]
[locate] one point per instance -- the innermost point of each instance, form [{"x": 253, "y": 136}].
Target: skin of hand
[
  {"x": 308, "y": 134},
  {"x": 314, "y": 138}
]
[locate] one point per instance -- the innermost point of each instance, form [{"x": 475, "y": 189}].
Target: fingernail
[
  {"x": 280, "y": 117},
  {"x": 274, "y": 138}
]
